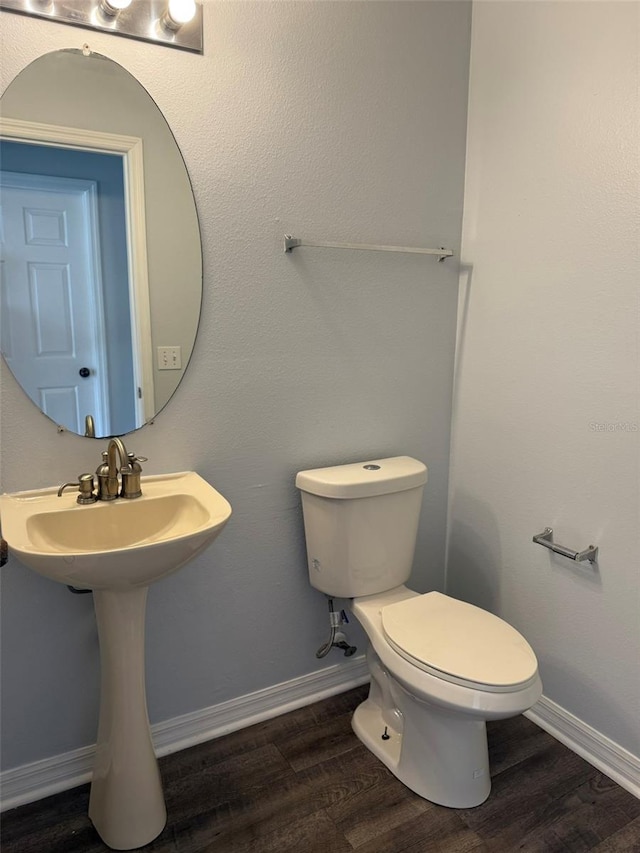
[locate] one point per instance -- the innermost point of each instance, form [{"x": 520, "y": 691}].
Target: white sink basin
[{"x": 114, "y": 544}]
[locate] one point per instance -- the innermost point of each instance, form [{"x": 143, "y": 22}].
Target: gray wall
[
  {"x": 341, "y": 121},
  {"x": 547, "y": 415}
]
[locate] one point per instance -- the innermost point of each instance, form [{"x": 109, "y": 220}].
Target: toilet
[{"x": 440, "y": 668}]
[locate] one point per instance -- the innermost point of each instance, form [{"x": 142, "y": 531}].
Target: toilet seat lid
[{"x": 459, "y": 642}]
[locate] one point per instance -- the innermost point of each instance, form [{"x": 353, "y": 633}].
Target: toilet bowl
[
  {"x": 425, "y": 719},
  {"x": 440, "y": 667}
]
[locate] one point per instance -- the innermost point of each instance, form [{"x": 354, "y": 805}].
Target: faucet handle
[
  {"x": 131, "y": 477},
  {"x": 133, "y": 458},
  {"x": 134, "y": 462}
]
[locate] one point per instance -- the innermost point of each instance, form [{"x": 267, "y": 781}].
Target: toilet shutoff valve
[
  {"x": 338, "y": 618},
  {"x": 337, "y": 638},
  {"x": 335, "y": 618}
]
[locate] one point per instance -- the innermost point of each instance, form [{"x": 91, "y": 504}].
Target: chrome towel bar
[
  {"x": 546, "y": 539},
  {"x": 291, "y": 243}
]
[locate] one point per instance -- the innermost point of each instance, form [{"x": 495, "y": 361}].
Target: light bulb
[
  {"x": 179, "y": 12},
  {"x": 113, "y": 7}
]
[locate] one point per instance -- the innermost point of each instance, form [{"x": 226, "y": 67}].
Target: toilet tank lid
[{"x": 364, "y": 479}]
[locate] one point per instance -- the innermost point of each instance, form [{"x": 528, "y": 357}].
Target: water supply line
[
  {"x": 337, "y": 638},
  {"x": 334, "y": 616}
]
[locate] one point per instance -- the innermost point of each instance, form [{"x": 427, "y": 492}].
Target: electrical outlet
[{"x": 169, "y": 358}]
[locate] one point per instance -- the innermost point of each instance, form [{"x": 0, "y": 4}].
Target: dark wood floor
[{"x": 303, "y": 783}]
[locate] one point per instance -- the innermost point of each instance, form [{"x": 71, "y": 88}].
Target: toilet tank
[{"x": 361, "y": 523}]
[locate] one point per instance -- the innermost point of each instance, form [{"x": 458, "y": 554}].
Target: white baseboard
[
  {"x": 32, "y": 782},
  {"x": 608, "y": 756}
]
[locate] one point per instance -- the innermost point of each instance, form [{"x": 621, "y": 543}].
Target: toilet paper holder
[{"x": 546, "y": 539}]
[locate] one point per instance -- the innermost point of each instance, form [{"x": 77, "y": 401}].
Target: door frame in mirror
[{"x": 129, "y": 148}]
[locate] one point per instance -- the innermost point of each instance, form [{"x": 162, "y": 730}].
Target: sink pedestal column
[{"x": 126, "y": 804}]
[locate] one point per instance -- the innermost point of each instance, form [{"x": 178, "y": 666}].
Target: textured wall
[
  {"x": 547, "y": 420},
  {"x": 341, "y": 121}
]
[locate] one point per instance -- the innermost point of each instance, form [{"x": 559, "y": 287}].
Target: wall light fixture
[{"x": 172, "y": 23}]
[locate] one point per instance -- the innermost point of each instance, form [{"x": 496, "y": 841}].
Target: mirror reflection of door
[
  {"x": 67, "y": 323},
  {"x": 52, "y": 296}
]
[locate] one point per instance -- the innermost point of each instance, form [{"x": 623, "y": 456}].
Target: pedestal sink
[{"x": 117, "y": 549}]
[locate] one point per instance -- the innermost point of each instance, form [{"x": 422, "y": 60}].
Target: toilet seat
[{"x": 459, "y": 643}]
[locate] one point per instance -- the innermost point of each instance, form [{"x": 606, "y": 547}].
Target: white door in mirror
[{"x": 53, "y": 330}]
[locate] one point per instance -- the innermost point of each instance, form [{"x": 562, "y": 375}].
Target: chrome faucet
[
  {"x": 129, "y": 470},
  {"x": 110, "y": 475},
  {"x": 116, "y": 443},
  {"x": 107, "y": 473}
]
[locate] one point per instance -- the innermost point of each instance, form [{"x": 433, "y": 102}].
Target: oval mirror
[{"x": 101, "y": 282}]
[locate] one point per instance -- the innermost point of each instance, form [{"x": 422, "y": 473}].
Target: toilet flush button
[{"x": 371, "y": 467}]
